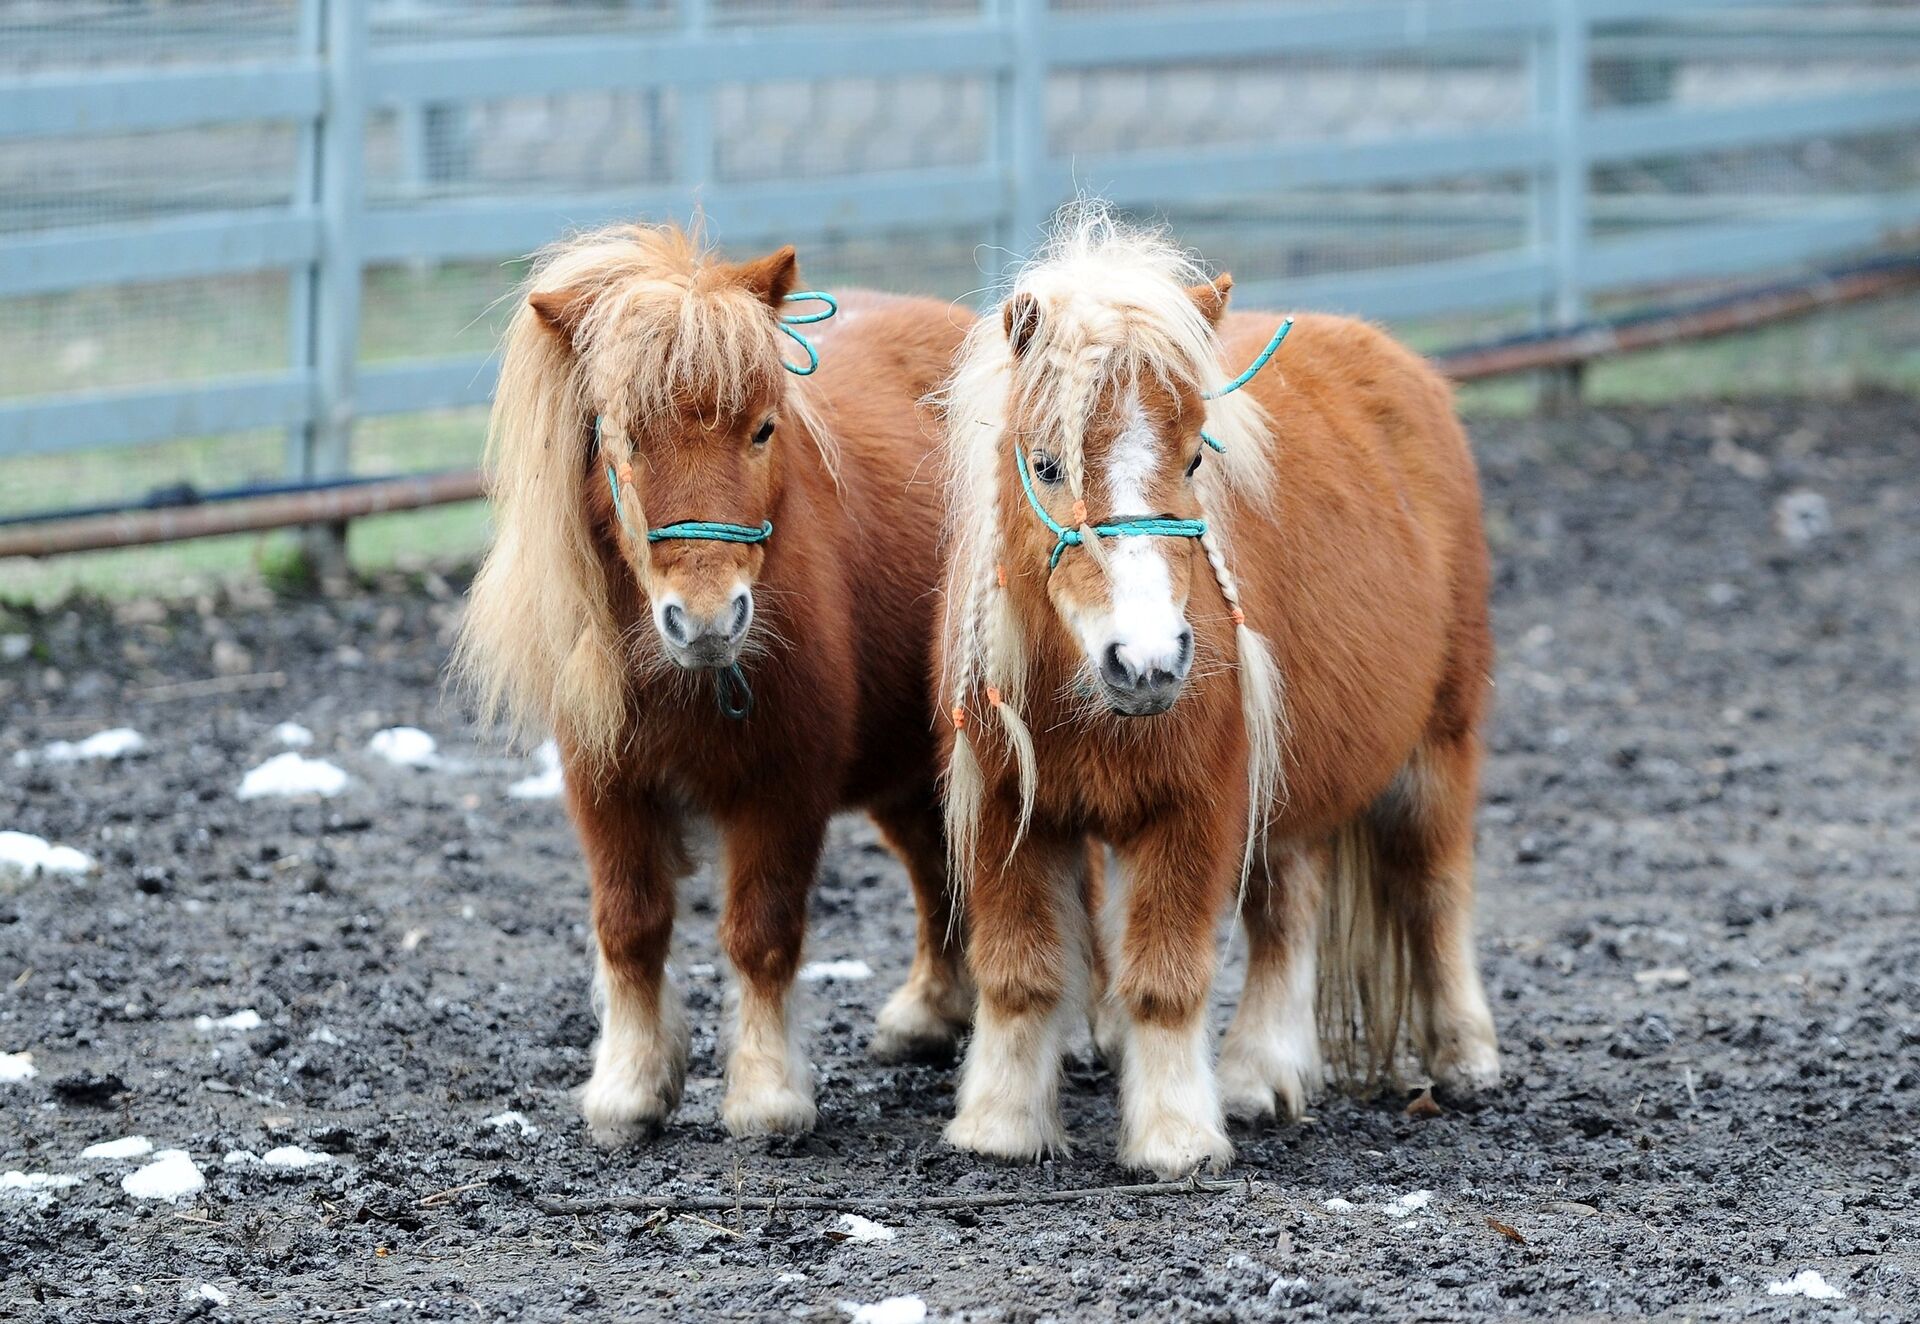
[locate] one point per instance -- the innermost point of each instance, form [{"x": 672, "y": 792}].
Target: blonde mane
[
  {"x": 661, "y": 324},
  {"x": 1114, "y": 309}
]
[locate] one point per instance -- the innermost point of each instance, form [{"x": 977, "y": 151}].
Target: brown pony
[
  {"x": 1122, "y": 607},
  {"x": 758, "y": 680}
]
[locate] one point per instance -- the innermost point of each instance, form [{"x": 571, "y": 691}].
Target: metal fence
[{"x": 264, "y": 239}]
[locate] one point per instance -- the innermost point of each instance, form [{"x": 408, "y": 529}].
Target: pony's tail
[{"x": 1365, "y": 991}]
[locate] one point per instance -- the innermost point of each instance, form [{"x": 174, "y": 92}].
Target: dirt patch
[{"x": 1698, "y": 921}]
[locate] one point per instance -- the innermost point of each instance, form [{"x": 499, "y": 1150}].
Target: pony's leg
[
  {"x": 1106, "y": 1018},
  {"x": 635, "y": 855},
  {"x": 926, "y": 1015},
  {"x": 1271, "y": 1054},
  {"x": 1178, "y": 874},
  {"x": 1423, "y": 842},
  {"x": 1028, "y": 948},
  {"x": 771, "y": 861}
]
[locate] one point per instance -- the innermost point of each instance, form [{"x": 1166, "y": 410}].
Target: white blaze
[{"x": 1146, "y": 622}]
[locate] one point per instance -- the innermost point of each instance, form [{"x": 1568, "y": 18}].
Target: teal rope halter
[
  {"x": 1126, "y": 528},
  {"x": 788, "y": 321},
  {"x": 730, "y": 689},
  {"x": 1244, "y": 378},
  {"x": 1152, "y": 527}
]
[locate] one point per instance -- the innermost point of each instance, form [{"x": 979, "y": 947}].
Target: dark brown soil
[{"x": 1698, "y": 917}]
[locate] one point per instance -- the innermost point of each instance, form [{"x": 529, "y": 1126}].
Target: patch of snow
[
  {"x": 1807, "y": 1283},
  {"x": 24, "y": 853},
  {"x": 516, "y": 1120},
  {"x": 240, "y": 1158},
  {"x": 1406, "y": 1204},
  {"x": 35, "y": 1186},
  {"x": 791, "y": 1277},
  {"x": 323, "y": 1035},
  {"x": 1338, "y": 1206},
  {"x": 17, "y": 1067},
  {"x": 129, "y": 1147},
  {"x": 289, "y": 774},
  {"x": 855, "y": 1228},
  {"x": 240, "y": 1021},
  {"x": 545, "y": 784},
  {"x": 815, "y": 972},
  {"x": 1802, "y": 517},
  {"x": 116, "y": 743},
  {"x": 404, "y": 747},
  {"x": 292, "y": 735},
  {"x": 292, "y": 1156},
  {"x": 1666, "y": 976},
  {"x": 208, "y": 1292},
  {"x": 171, "y": 1176},
  {"x": 894, "y": 1310}
]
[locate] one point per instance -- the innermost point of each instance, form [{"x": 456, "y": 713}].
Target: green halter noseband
[
  {"x": 1151, "y": 527},
  {"x": 730, "y": 689}
]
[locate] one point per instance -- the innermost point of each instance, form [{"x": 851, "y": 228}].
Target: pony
[
  {"x": 711, "y": 581},
  {"x": 1238, "y": 631}
]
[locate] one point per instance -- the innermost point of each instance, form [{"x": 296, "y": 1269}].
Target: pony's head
[
  {"x": 643, "y": 407},
  {"x": 675, "y": 355},
  {"x": 1105, "y": 450}
]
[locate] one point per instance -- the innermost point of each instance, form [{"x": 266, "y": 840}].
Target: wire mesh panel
[{"x": 227, "y": 226}]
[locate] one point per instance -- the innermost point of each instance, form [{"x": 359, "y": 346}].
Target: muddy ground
[{"x": 1698, "y": 919}]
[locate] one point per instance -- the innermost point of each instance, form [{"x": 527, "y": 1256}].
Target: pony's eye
[
  {"x": 1193, "y": 465},
  {"x": 765, "y": 434},
  {"x": 1046, "y": 468}
]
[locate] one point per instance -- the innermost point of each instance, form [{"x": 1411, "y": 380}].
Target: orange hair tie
[
  {"x": 959, "y": 718},
  {"x": 993, "y": 696},
  {"x": 1079, "y": 513},
  {"x": 1000, "y": 575},
  {"x": 1239, "y": 617},
  {"x": 626, "y": 473}
]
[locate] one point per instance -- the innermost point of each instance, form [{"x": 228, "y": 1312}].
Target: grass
[{"x": 1835, "y": 354}]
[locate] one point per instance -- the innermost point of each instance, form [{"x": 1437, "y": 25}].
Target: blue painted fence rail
[{"x": 337, "y": 77}]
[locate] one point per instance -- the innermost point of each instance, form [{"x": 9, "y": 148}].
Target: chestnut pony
[
  {"x": 1260, "y": 668},
  {"x": 711, "y": 580}
]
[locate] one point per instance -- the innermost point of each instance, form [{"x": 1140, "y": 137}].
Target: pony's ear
[
  {"x": 1211, "y": 298},
  {"x": 1022, "y": 320},
  {"x": 561, "y": 310},
  {"x": 770, "y": 278}
]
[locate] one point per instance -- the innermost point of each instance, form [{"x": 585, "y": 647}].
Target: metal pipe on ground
[{"x": 1725, "y": 316}]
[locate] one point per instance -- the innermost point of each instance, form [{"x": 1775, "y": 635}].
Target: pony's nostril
[
  {"x": 742, "y": 611},
  {"x": 1114, "y": 669},
  {"x": 673, "y": 623},
  {"x": 1183, "y": 657}
]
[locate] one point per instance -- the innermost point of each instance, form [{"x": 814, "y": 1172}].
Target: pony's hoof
[
  {"x": 1006, "y": 1134},
  {"x": 1466, "y": 1069},
  {"x": 1172, "y": 1148},
  {"x": 1256, "y": 1086},
  {"x": 774, "y": 1111},
  {"x": 618, "y": 1114},
  {"x": 913, "y": 1028}
]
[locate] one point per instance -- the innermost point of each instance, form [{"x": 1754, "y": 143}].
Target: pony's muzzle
[
  {"x": 699, "y": 640},
  {"x": 1142, "y": 682}
]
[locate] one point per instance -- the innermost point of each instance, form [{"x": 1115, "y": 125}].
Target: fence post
[
  {"x": 332, "y": 342},
  {"x": 1560, "y": 222},
  {"x": 695, "y": 109},
  {"x": 1019, "y": 124},
  {"x": 311, "y": 44}
]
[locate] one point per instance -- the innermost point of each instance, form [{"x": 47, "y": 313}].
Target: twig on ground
[
  {"x": 441, "y": 1197},
  {"x": 197, "y": 689},
  {"x": 708, "y": 1222},
  {"x": 893, "y": 1203}
]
